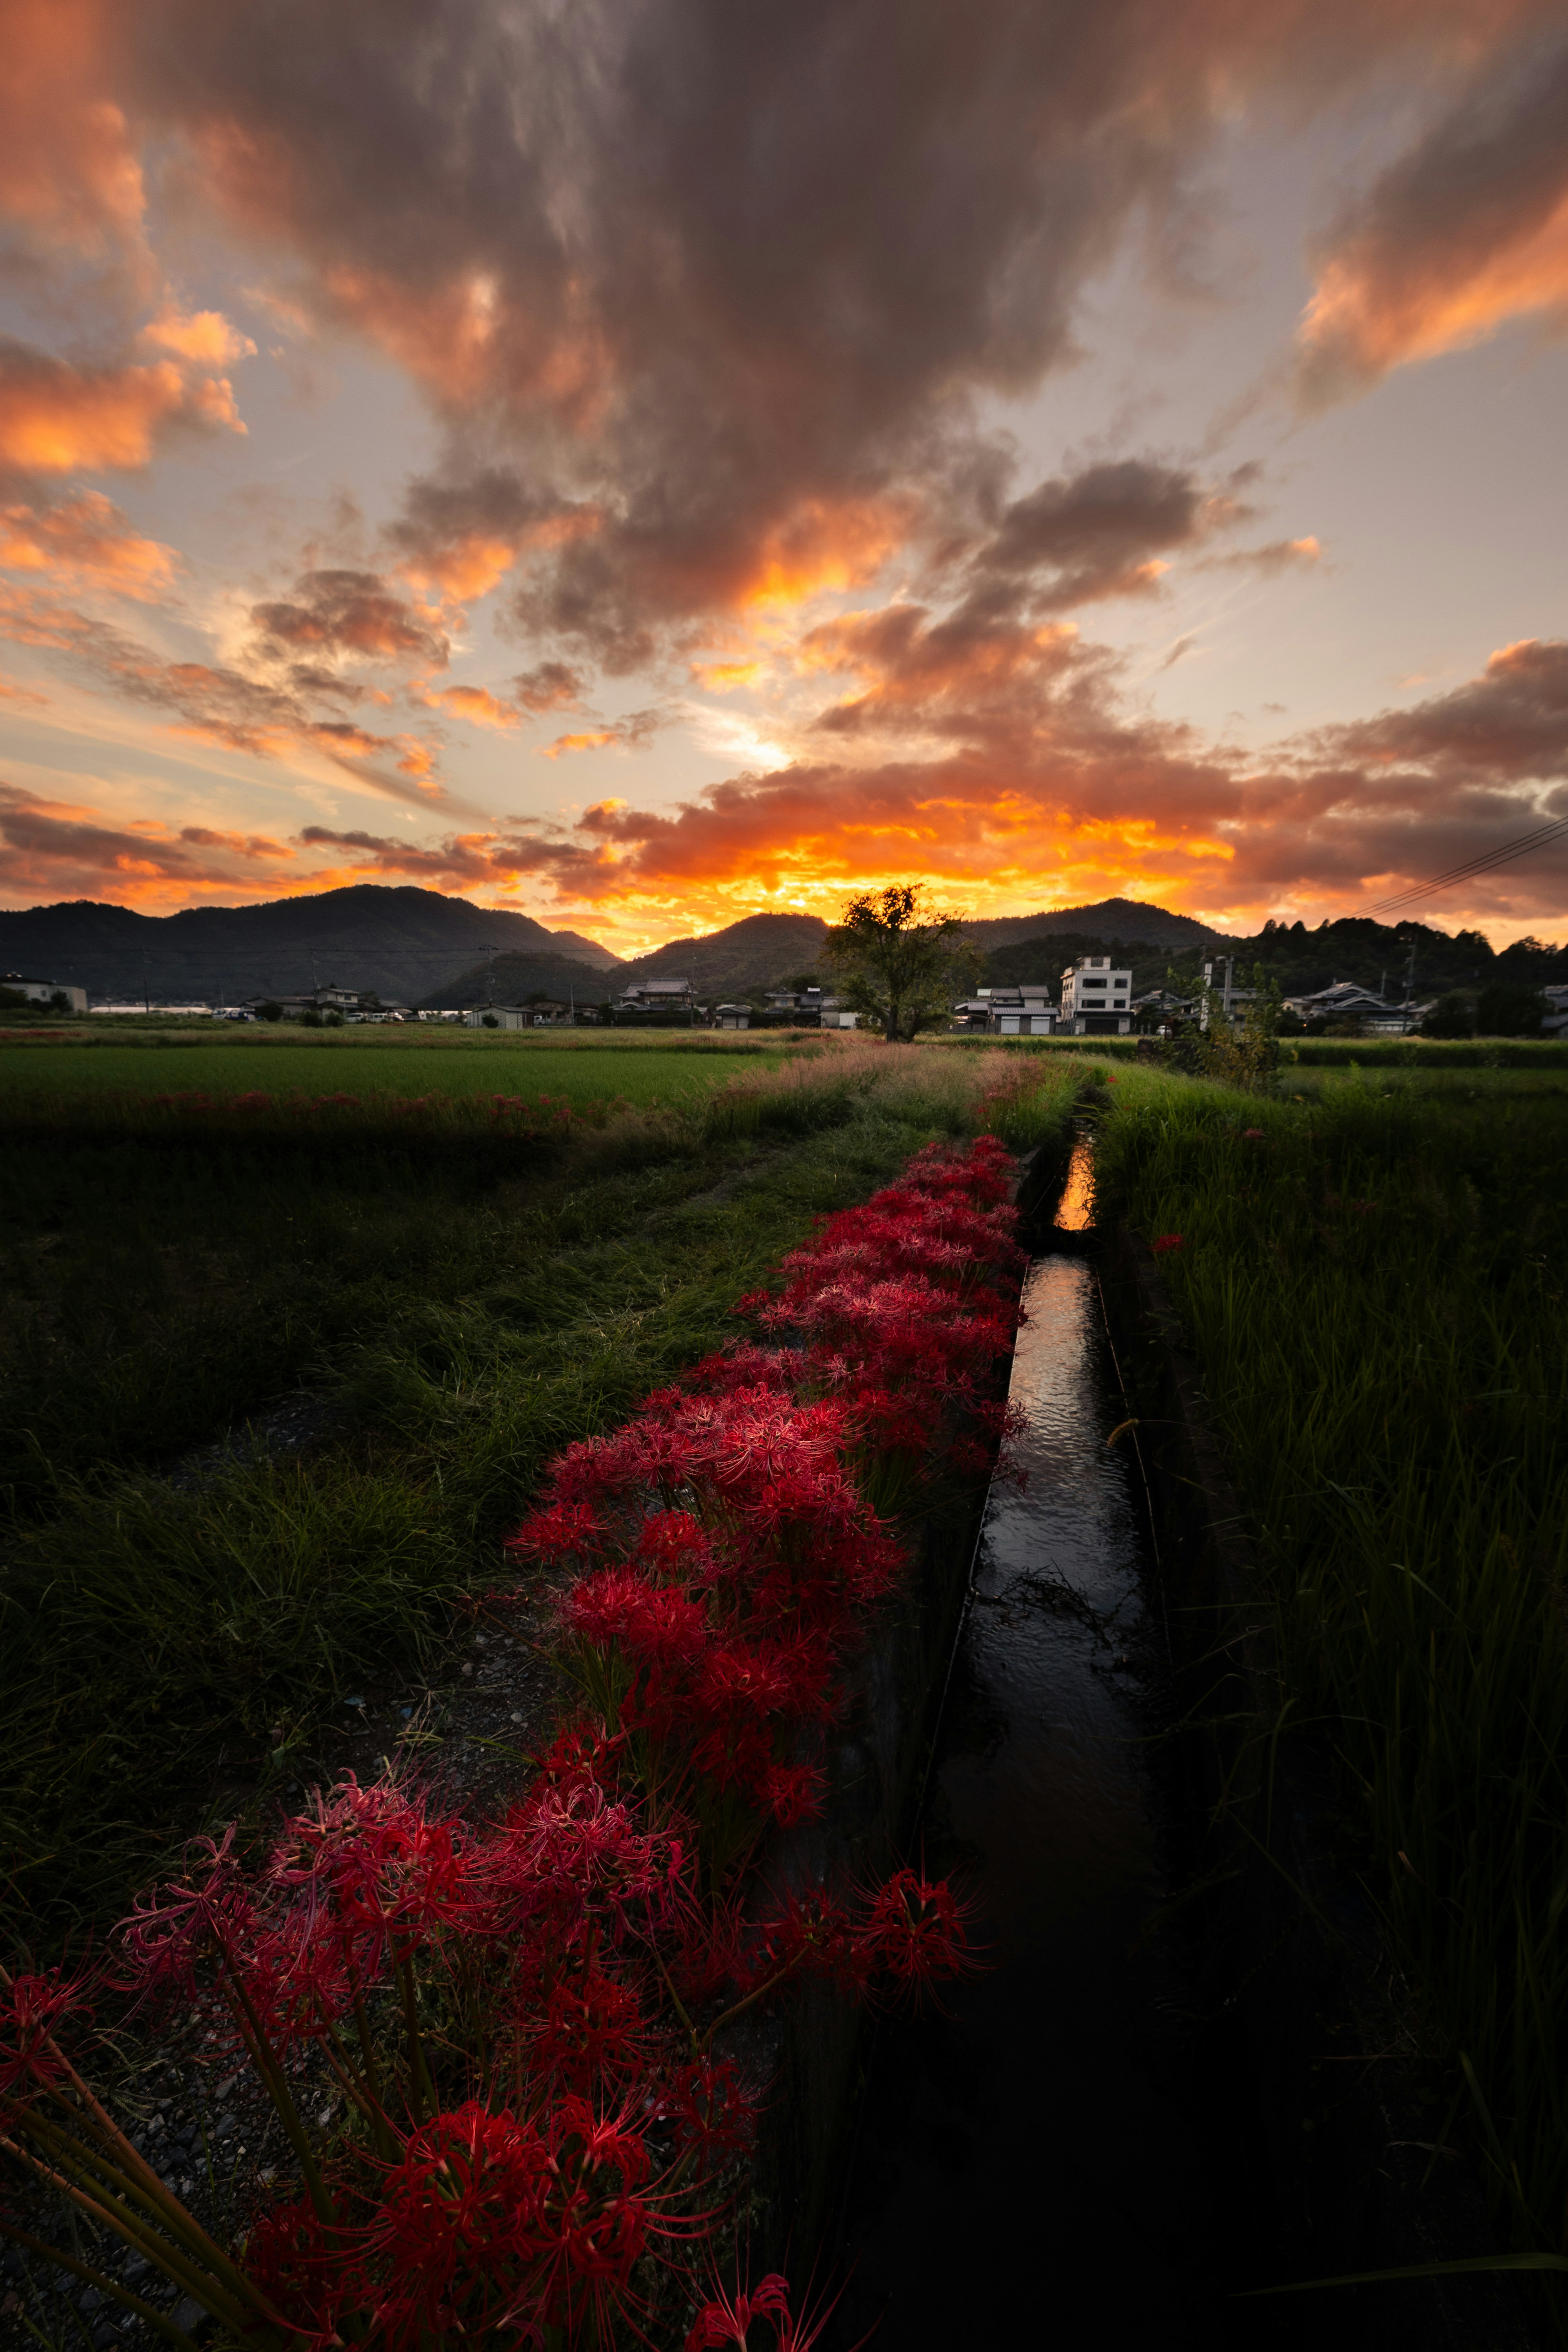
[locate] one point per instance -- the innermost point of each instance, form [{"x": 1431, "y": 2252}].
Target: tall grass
[
  {"x": 461, "y": 1316},
  {"x": 1374, "y": 1284}
]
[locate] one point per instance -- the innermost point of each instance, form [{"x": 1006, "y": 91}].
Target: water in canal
[{"x": 1061, "y": 2157}]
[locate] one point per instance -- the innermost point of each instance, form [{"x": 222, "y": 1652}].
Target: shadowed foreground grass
[
  {"x": 1375, "y": 1285},
  {"x": 463, "y": 1314}
]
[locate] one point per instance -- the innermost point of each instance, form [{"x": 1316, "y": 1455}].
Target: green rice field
[
  {"x": 660, "y": 1067},
  {"x": 1369, "y": 1266}
]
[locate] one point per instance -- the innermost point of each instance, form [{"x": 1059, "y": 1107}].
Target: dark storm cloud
[
  {"x": 706, "y": 292},
  {"x": 354, "y": 615},
  {"x": 1101, "y": 532},
  {"x": 1511, "y": 722}
]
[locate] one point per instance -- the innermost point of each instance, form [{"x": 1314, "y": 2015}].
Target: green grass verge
[
  {"x": 1374, "y": 1287},
  {"x": 466, "y": 1313}
]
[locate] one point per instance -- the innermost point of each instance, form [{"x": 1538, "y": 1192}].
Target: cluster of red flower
[{"x": 528, "y": 2019}]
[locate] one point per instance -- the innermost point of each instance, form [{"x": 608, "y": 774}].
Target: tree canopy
[{"x": 899, "y": 961}]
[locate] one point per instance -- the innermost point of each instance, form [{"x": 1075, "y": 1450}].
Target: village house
[
  {"x": 46, "y": 991},
  {"x": 808, "y": 1007},
  {"x": 643, "y": 998},
  {"x": 1027, "y": 1012},
  {"x": 1096, "y": 998},
  {"x": 1347, "y": 1000}
]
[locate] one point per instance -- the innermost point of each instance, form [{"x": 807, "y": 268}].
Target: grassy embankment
[
  {"x": 467, "y": 1300},
  {"x": 1374, "y": 1055},
  {"x": 1375, "y": 1290}
]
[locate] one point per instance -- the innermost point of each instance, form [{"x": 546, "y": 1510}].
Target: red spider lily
[
  {"x": 726, "y": 1550},
  {"x": 728, "y": 2319},
  {"x": 806, "y": 1933},
  {"x": 650, "y": 1622},
  {"x": 588, "y": 2029},
  {"x": 571, "y": 1854},
  {"x": 580, "y": 1753},
  {"x": 302, "y": 2268},
  {"x": 456, "y": 2244},
  {"x": 212, "y": 1914},
  {"x": 672, "y": 1545},
  {"x": 1168, "y": 1241},
  {"x": 375, "y": 1857},
  {"x": 915, "y": 1932},
  {"x": 791, "y": 1792},
  {"x": 32, "y": 2007},
  {"x": 563, "y": 1531},
  {"x": 713, "y": 2111}
]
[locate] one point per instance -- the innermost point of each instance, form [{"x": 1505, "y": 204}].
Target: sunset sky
[{"x": 645, "y": 464}]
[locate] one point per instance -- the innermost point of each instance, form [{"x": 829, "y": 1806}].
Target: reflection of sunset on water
[{"x": 1075, "y": 1213}]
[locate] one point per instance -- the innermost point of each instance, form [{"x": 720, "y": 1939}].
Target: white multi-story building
[
  {"x": 1096, "y": 998},
  {"x": 44, "y": 992}
]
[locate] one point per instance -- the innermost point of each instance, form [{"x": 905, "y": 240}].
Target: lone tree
[{"x": 898, "y": 961}]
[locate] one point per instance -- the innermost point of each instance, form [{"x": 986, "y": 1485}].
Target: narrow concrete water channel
[{"x": 1062, "y": 2155}]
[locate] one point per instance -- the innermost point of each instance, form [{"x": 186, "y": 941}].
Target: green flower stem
[
  {"x": 264, "y": 2060},
  {"x": 169, "y": 2258},
  {"x": 103, "y": 2282},
  {"x": 422, "y": 2091},
  {"x": 158, "y": 2204}
]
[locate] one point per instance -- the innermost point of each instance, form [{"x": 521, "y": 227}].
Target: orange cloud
[
  {"x": 633, "y": 733},
  {"x": 1084, "y": 802},
  {"x": 477, "y": 705},
  {"x": 211, "y": 703},
  {"x": 467, "y": 569},
  {"x": 68, "y": 163},
  {"x": 52, "y": 849},
  {"x": 54, "y": 418},
  {"x": 820, "y": 545},
  {"x": 88, "y": 539},
  {"x": 1467, "y": 230},
  {"x": 593, "y": 740},
  {"x": 205, "y": 338}
]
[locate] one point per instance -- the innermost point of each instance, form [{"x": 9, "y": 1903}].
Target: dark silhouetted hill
[
  {"x": 403, "y": 943},
  {"x": 1125, "y": 919},
  {"x": 758, "y": 952},
  {"x": 511, "y": 979}
]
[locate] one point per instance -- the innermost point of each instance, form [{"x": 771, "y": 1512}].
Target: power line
[{"x": 1502, "y": 855}]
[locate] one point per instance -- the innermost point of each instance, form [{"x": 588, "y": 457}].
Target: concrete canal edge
[
  {"x": 1346, "y": 2132},
  {"x": 813, "y": 2053}
]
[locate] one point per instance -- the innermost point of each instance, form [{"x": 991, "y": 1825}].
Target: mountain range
[
  {"x": 420, "y": 947},
  {"x": 399, "y": 943}
]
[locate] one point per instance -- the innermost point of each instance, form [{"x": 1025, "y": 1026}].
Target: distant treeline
[{"x": 1299, "y": 960}]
